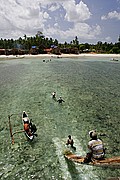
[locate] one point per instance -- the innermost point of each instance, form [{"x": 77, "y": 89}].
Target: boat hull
[
  {"x": 114, "y": 161},
  {"x": 29, "y": 137}
]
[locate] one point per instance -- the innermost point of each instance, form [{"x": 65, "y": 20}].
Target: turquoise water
[{"x": 91, "y": 90}]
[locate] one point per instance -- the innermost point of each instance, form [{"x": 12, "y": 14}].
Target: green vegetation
[{"x": 40, "y": 43}]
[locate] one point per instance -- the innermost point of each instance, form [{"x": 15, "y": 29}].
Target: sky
[{"x": 90, "y": 20}]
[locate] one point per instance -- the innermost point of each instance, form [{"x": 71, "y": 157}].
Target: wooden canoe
[
  {"x": 114, "y": 161},
  {"x": 31, "y": 136}
]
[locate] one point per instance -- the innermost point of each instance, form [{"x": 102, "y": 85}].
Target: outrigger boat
[
  {"x": 113, "y": 162},
  {"x": 31, "y": 133}
]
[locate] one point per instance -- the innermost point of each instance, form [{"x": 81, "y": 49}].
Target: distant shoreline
[{"x": 59, "y": 56}]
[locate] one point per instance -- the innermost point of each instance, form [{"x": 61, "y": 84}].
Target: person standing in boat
[
  {"x": 70, "y": 142},
  {"x": 96, "y": 148},
  {"x": 60, "y": 100}
]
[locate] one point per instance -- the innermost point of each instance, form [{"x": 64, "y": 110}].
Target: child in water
[
  {"x": 54, "y": 95},
  {"x": 70, "y": 142},
  {"x": 60, "y": 100}
]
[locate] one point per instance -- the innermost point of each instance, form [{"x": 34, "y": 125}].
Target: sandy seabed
[{"x": 59, "y": 56}]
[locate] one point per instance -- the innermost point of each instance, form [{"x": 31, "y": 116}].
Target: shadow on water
[
  {"x": 72, "y": 170},
  {"x": 33, "y": 143}
]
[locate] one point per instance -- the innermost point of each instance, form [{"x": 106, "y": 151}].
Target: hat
[{"x": 93, "y": 133}]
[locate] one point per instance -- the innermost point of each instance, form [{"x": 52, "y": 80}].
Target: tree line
[{"x": 40, "y": 42}]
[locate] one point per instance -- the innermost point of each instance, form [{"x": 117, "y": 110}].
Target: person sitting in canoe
[
  {"x": 96, "y": 148},
  {"x": 70, "y": 142},
  {"x": 33, "y": 128},
  {"x": 60, "y": 100},
  {"x": 27, "y": 128}
]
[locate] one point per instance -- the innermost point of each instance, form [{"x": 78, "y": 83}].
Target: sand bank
[{"x": 59, "y": 56}]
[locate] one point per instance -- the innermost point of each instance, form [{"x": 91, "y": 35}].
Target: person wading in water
[
  {"x": 60, "y": 100},
  {"x": 70, "y": 142},
  {"x": 54, "y": 95}
]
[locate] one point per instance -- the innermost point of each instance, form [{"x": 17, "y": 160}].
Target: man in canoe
[
  {"x": 27, "y": 127},
  {"x": 96, "y": 148}
]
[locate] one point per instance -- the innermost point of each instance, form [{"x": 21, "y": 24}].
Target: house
[
  {"x": 34, "y": 50},
  {"x": 48, "y": 50},
  {"x": 2, "y": 52}
]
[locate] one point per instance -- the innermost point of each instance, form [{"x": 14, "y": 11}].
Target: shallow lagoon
[{"x": 91, "y": 90}]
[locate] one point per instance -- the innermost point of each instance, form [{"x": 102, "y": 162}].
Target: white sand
[{"x": 60, "y": 56}]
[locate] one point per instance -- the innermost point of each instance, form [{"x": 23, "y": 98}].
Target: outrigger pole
[{"x": 10, "y": 127}]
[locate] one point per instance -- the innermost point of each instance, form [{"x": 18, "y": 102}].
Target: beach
[{"x": 59, "y": 56}]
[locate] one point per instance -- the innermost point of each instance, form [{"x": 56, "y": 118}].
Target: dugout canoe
[
  {"x": 113, "y": 161},
  {"x": 26, "y": 118}
]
